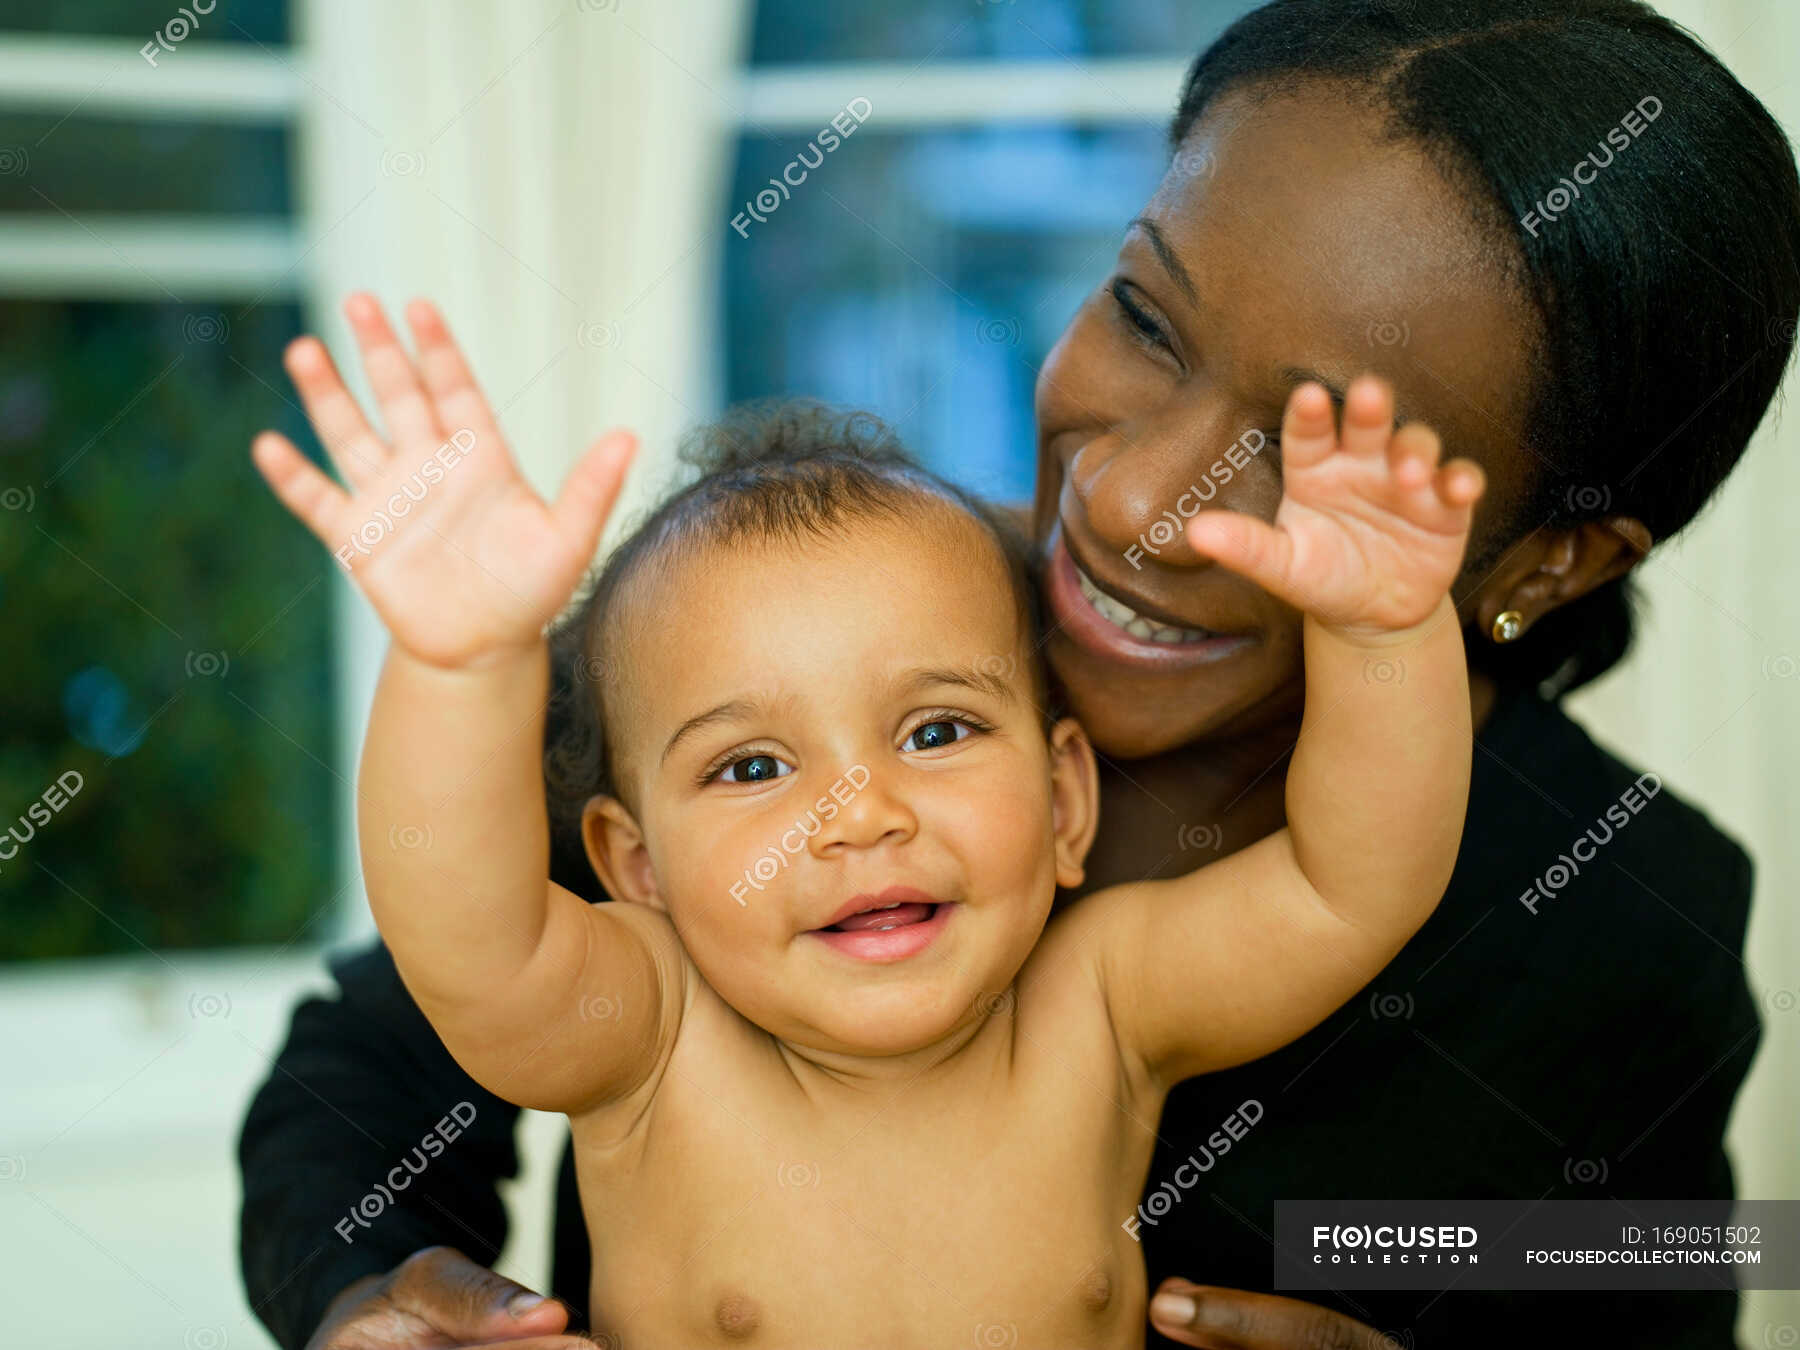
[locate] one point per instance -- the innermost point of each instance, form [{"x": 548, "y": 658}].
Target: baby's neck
[{"x": 971, "y": 1046}]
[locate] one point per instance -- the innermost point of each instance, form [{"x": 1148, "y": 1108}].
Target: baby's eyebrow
[
  {"x": 736, "y": 710},
  {"x": 982, "y": 681}
]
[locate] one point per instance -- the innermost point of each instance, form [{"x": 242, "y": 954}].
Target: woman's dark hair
[
  {"x": 786, "y": 470},
  {"x": 1667, "y": 292}
]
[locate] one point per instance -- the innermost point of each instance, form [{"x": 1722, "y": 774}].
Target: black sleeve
[{"x": 360, "y": 1084}]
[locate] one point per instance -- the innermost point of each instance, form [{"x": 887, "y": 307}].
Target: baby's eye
[
  {"x": 754, "y": 769},
  {"x": 932, "y": 735}
]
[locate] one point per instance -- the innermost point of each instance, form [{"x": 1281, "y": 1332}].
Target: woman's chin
[{"x": 1133, "y": 714}]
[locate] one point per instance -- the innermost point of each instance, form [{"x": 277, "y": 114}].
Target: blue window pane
[
  {"x": 51, "y": 164},
  {"x": 925, "y": 276},
  {"x": 226, "y": 21},
  {"x": 789, "y": 31}
]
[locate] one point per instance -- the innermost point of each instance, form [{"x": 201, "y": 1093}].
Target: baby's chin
[
  {"x": 883, "y": 1034},
  {"x": 885, "y": 1020}
]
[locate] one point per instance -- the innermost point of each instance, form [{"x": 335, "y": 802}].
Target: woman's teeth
[{"x": 1145, "y": 630}]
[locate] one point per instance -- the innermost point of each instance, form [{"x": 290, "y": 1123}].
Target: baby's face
[{"x": 820, "y": 729}]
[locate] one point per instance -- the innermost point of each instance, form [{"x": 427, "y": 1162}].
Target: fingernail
[
  {"x": 1178, "y": 1308},
  {"x": 520, "y": 1304}
]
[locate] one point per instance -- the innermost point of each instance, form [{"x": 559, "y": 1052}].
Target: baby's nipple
[{"x": 737, "y": 1316}]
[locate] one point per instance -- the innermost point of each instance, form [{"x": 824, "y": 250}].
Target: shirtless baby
[{"x": 835, "y": 1075}]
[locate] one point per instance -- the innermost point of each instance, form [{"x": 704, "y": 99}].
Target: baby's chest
[{"x": 737, "y": 1226}]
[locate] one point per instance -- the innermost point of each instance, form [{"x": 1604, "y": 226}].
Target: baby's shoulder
[{"x": 1063, "y": 980}]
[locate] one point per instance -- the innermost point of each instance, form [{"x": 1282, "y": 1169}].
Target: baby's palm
[
  {"x": 1370, "y": 531},
  {"x": 459, "y": 556}
]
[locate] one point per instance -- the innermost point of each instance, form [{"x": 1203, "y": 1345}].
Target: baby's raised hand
[
  {"x": 1370, "y": 531},
  {"x": 461, "y": 559}
]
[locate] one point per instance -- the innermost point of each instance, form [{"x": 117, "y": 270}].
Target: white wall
[{"x": 1711, "y": 697}]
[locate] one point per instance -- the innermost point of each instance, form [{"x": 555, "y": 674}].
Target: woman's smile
[{"x": 1130, "y": 630}]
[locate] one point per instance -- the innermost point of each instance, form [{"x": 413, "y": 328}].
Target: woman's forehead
[{"x": 1303, "y": 239}]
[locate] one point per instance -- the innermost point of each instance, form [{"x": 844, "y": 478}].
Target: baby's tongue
[{"x": 883, "y": 918}]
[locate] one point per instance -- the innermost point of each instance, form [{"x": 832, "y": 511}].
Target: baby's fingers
[
  {"x": 411, "y": 420},
  {"x": 314, "y": 499},
  {"x": 1308, "y": 428},
  {"x": 1460, "y": 483},
  {"x": 334, "y": 412},
  {"x": 591, "y": 488},
  {"x": 1434, "y": 498},
  {"x": 447, "y": 376},
  {"x": 1246, "y": 545}
]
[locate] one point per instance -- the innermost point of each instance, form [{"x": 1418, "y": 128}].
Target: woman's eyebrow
[{"x": 1171, "y": 263}]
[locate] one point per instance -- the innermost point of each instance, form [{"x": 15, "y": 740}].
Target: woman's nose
[
  {"x": 1137, "y": 485},
  {"x": 859, "y": 811}
]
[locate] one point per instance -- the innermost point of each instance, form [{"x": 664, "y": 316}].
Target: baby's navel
[{"x": 737, "y": 1316}]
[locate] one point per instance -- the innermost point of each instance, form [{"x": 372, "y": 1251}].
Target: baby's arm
[
  {"x": 1239, "y": 958},
  {"x": 544, "y": 999}
]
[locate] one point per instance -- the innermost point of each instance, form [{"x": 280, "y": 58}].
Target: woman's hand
[
  {"x": 460, "y": 557},
  {"x": 1234, "y": 1319},
  {"x": 438, "y": 1299},
  {"x": 1370, "y": 531}
]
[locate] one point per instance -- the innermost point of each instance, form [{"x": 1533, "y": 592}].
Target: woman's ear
[
  {"x": 1552, "y": 567},
  {"x": 616, "y": 851},
  {"x": 1074, "y": 799}
]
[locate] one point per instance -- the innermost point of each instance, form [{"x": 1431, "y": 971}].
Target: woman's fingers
[
  {"x": 313, "y": 498},
  {"x": 410, "y": 418},
  {"x": 447, "y": 376},
  {"x": 334, "y": 413},
  {"x": 1233, "y": 1319}
]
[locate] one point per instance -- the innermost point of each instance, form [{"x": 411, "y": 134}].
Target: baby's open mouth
[{"x": 879, "y": 919}]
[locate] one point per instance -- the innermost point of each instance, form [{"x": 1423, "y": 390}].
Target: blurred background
[{"x": 577, "y": 183}]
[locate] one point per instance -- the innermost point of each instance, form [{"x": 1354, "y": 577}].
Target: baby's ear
[
  {"x": 616, "y": 851},
  {"x": 1074, "y": 799}
]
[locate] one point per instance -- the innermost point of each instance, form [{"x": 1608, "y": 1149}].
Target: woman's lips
[{"x": 1085, "y": 625}]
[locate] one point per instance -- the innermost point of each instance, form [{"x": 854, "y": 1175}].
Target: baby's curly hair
[{"x": 776, "y": 470}]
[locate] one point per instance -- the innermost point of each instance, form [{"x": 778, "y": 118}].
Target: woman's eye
[
  {"x": 1136, "y": 315},
  {"x": 754, "y": 769},
  {"x": 933, "y": 735}
]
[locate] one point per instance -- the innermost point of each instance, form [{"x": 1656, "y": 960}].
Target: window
[
  {"x": 923, "y": 267},
  {"x": 167, "y": 774}
]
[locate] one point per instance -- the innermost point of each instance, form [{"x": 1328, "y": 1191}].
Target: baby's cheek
[{"x": 1002, "y": 828}]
